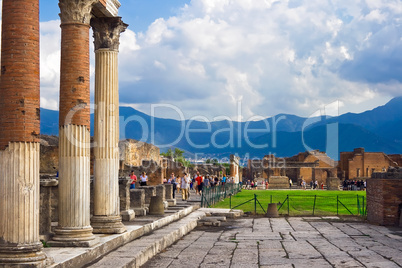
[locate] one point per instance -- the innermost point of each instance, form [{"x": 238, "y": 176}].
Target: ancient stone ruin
[
  {"x": 20, "y": 126},
  {"x": 384, "y": 197}
]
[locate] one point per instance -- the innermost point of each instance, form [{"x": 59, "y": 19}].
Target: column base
[
  {"x": 23, "y": 256},
  {"x": 73, "y": 237},
  {"x": 107, "y": 225}
]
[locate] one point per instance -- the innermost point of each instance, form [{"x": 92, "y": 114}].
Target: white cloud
[
  {"x": 376, "y": 15},
  {"x": 290, "y": 56},
  {"x": 50, "y": 37}
]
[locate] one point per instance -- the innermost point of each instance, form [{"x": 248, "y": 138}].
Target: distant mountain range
[{"x": 377, "y": 130}]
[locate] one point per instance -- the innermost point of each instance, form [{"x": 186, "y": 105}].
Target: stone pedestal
[
  {"x": 149, "y": 192},
  {"x": 272, "y": 211},
  {"x": 106, "y": 217},
  {"x": 169, "y": 194},
  {"x": 156, "y": 206},
  {"x": 126, "y": 212},
  {"x": 137, "y": 201},
  {"x": 160, "y": 191}
]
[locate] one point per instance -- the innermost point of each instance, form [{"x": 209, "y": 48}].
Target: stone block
[
  {"x": 137, "y": 199},
  {"x": 47, "y": 186},
  {"x": 168, "y": 191},
  {"x": 124, "y": 193},
  {"x": 278, "y": 182},
  {"x": 160, "y": 191},
  {"x": 272, "y": 211},
  {"x": 140, "y": 211},
  {"x": 127, "y": 215},
  {"x": 171, "y": 202},
  {"x": 156, "y": 206},
  {"x": 333, "y": 183},
  {"x": 149, "y": 192}
]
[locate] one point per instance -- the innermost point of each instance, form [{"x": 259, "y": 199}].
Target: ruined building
[
  {"x": 361, "y": 164},
  {"x": 309, "y": 166}
]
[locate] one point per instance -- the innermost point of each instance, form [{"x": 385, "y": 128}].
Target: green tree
[
  {"x": 169, "y": 153},
  {"x": 177, "y": 155}
]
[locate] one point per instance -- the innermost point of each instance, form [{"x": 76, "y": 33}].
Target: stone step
[
  {"x": 139, "y": 251},
  {"x": 141, "y": 228}
]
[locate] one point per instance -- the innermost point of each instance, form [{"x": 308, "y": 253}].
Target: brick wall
[
  {"x": 306, "y": 174},
  {"x": 366, "y": 162},
  {"x": 383, "y": 198},
  {"x": 74, "y": 76},
  {"x": 19, "y": 87}
]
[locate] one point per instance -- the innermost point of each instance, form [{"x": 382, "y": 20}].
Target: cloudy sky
[{"x": 261, "y": 57}]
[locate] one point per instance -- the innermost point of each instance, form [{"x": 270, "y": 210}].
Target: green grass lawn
[{"x": 300, "y": 202}]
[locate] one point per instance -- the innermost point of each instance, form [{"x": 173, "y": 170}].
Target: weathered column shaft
[
  {"x": 19, "y": 130},
  {"x": 74, "y": 123},
  {"x": 21, "y": 218},
  {"x": 74, "y": 191},
  {"x": 106, "y": 217},
  {"x": 106, "y": 133}
]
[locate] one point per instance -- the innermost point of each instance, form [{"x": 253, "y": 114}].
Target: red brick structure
[
  {"x": 358, "y": 164},
  {"x": 74, "y": 74},
  {"x": 19, "y": 87},
  {"x": 384, "y": 198}
]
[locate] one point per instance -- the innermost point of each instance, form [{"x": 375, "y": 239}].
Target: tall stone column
[
  {"x": 74, "y": 227},
  {"x": 106, "y": 217},
  {"x": 19, "y": 140}
]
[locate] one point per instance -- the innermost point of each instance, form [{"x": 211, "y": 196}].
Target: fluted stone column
[
  {"x": 74, "y": 227},
  {"x": 106, "y": 218},
  {"x": 19, "y": 141}
]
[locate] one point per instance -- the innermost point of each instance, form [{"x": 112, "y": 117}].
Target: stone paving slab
[
  {"x": 137, "y": 252},
  {"x": 294, "y": 242}
]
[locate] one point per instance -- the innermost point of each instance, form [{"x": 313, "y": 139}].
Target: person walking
[
  {"x": 185, "y": 185},
  {"x": 173, "y": 182},
  {"x": 178, "y": 184},
  {"x": 223, "y": 180},
  {"x": 199, "y": 181}
]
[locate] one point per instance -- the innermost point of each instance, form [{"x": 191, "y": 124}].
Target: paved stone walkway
[{"x": 293, "y": 242}]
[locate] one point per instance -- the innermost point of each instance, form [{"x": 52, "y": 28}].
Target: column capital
[
  {"x": 107, "y": 32},
  {"x": 76, "y": 11}
]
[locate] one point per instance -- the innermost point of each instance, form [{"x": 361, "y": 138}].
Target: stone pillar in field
[
  {"x": 74, "y": 227},
  {"x": 234, "y": 168},
  {"x": 106, "y": 218},
  {"x": 19, "y": 130}
]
